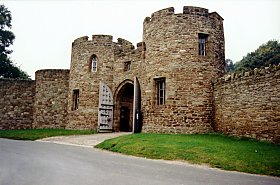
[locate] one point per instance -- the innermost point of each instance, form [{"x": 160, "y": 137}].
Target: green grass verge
[
  {"x": 216, "y": 150},
  {"x": 34, "y": 134}
]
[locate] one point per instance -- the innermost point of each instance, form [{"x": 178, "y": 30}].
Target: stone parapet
[
  {"x": 253, "y": 73},
  {"x": 192, "y": 10}
]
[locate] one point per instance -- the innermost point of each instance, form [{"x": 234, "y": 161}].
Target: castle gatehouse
[
  {"x": 179, "y": 56},
  {"x": 171, "y": 82}
]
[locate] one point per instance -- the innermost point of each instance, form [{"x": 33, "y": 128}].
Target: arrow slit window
[{"x": 75, "y": 99}]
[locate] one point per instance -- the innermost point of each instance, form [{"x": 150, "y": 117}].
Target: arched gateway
[
  {"x": 123, "y": 118},
  {"x": 125, "y": 114}
]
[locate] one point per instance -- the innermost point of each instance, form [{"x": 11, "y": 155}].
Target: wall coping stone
[{"x": 245, "y": 74}]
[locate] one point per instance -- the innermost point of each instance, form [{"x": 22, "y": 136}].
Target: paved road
[
  {"x": 83, "y": 140},
  {"x": 39, "y": 163}
]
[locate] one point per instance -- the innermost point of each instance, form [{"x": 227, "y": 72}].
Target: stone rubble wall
[
  {"x": 111, "y": 57},
  {"x": 125, "y": 53},
  {"x": 16, "y": 100},
  {"x": 248, "y": 104},
  {"x": 171, "y": 42},
  {"x": 198, "y": 98},
  {"x": 50, "y": 108},
  {"x": 87, "y": 81}
]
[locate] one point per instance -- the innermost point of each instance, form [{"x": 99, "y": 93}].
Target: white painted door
[{"x": 105, "y": 109}]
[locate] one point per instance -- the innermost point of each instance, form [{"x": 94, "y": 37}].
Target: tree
[
  {"x": 267, "y": 54},
  {"x": 7, "y": 68}
]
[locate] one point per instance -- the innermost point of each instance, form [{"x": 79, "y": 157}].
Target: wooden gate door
[{"x": 105, "y": 109}]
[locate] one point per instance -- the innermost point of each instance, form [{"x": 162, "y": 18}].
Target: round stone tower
[
  {"x": 184, "y": 52},
  {"x": 91, "y": 62}
]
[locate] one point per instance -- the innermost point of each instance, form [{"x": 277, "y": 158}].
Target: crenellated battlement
[
  {"x": 125, "y": 44},
  {"x": 96, "y": 39},
  {"x": 187, "y": 10},
  {"x": 163, "y": 12},
  {"x": 122, "y": 47},
  {"x": 81, "y": 39},
  {"x": 243, "y": 75},
  {"x": 141, "y": 46},
  {"x": 102, "y": 39},
  {"x": 215, "y": 15},
  {"x": 192, "y": 10},
  {"x": 159, "y": 14}
]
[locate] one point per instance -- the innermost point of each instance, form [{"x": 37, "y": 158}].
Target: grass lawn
[
  {"x": 33, "y": 134},
  {"x": 216, "y": 150}
]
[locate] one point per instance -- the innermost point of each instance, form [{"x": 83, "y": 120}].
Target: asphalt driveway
[{"x": 41, "y": 163}]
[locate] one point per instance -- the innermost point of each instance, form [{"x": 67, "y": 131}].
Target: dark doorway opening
[
  {"x": 124, "y": 108},
  {"x": 124, "y": 119}
]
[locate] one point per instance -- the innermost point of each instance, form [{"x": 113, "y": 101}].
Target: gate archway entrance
[{"x": 124, "y": 107}]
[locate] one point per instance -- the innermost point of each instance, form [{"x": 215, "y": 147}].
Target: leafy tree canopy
[
  {"x": 7, "y": 68},
  {"x": 267, "y": 54}
]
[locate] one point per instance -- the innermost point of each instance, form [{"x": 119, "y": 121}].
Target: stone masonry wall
[
  {"x": 85, "y": 80},
  {"x": 249, "y": 104},
  {"x": 16, "y": 100},
  {"x": 198, "y": 99},
  {"x": 122, "y": 76},
  {"x": 171, "y": 42},
  {"x": 50, "y": 110},
  {"x": 111, "y": 57}
]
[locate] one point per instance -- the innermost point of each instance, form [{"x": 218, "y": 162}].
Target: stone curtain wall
[
  {"x": 16, "y": 100},
  {"x": 50, "y": 110},
  {"x": 249, "y": 104}
]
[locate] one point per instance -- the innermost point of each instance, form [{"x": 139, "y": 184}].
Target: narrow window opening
[
  {"x": 94, "y": 64},
  {"x": 75, "y": 99},
  {"x": 127, "y": 66},
  {"x": 202, "y": 38},
  {"x": 161, "y": 91}
]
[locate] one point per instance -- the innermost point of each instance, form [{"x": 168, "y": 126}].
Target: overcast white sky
[{"x": 45, "y": 29}]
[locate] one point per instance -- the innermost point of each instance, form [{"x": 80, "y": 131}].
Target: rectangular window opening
[
  {"x": 161, "y": 91},
  {"x": 75, "y": 99},
  {"x": 202, "y": 39},
  {"x": 127, "y": 66}
]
